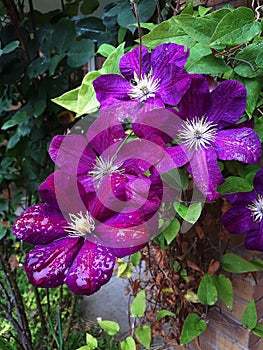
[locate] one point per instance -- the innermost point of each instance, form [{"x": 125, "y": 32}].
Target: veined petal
[
  {"x": 174, "y": 85},
  {"x": 237, "y": 219},
  {"x": 92, "y": 268},
  {"x": 46, "y": 266},
  {"x": 258, "y": 182},
  {"x": 175, "y": 157},
  {"x": 241, "y": 197},
  {"x": 227, "y": 103},
  {"x": 130, "y": 63},
  {"x": 111, "y": 86},
  {"x": 40, "y": 224},
  {"x": 238, "y": 144},
  {"x": 206, "y": 172},
  {"x": 121, "y": 252},
  {"x": 164, "y": 54},
  {"x": 254, "y": 238}
]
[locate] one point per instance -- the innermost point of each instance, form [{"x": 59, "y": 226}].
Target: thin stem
[
  {"x": 135, "y": 10},
  {"x": 70, "y": 318},
  {"x": 32, "y": 15},
  {"x": 159, "y": 16},
  {"x": 62, "y": 5},
  {"x": 40, "y": 311}
]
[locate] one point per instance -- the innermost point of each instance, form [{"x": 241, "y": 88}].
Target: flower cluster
[{"x": 103, "y": 200}]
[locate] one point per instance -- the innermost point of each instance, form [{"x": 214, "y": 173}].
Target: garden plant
[{"x": 145, "y": 160}]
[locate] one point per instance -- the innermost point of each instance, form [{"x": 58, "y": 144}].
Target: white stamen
[
  {"x": 256, "y": 208},
  {"x": 104, "y": 167},
  {"x": 80, "y": 225},
  {"x": 198, "y": 133},
  {"x": 145, "y": 87}
]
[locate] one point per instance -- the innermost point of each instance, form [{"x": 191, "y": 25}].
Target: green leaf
[
  {"x": 235, "y": 184},
  {"x": 10, "y": 46},
  {"x": 128, "y": 344},
  {"x": 54, "y": 61},
  {"x": 192, "y": 328},
  {"x": 259, "y": 127},
  {"x": 64, "y": 35},
  {"x": 162, "y": 313},
  {"x": 235, "y": 28},
  {"x": 171, "y": 231},
  {"x": 91, "y": 342},
  {"x": 5, "y": 345},
  {"x": 89, "y": 6},
  {"x": 84, "y": 347},
  {"x": 136, "y": 258},
  {"x": 111, "y": 65},
  {"x": 38, "y": 67},
  {"x": 234, "y": 263},
  {"x": 105, "y": 50},
  {"x": 247, "y": 66},
  {"x": 138, "y": 305},
  {"x": 80, "y": 53},
  {"x": 249, "y": 316},
  {"x": 17, "y": 118},
  {"x": 203, "y": 10},
  {"x": 224, "y": 290},
  {"x": 253, "y": 87},
  {"x": 125, "y": 270},
  {"x": 190, "y": 214},
  {"x": 258, "y": 330},
  {"x": 176, "y": 178},
  {"x": 110, "y": 327},
  {"x": 68, "y": 100},
  {"x": 207, "y": 292},
  {"x": 208, "y": 64},
  {"x": 3, "y": 231},
  {"x": 144, "y": 336}
]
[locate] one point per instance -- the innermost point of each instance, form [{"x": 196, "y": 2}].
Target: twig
[
  {"x": 70, "y": 318},
  {"x": 32, "y": 15},
  {"x": 40, "y": 311}
]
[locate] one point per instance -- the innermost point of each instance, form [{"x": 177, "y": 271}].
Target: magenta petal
[
  {"x": 238, "y": 144},
  {"x": 237, "y": 219},
  {"x": 227, "y": 103},
  {"x": 121, "y": 252},
  {"x": 110, "y": 86},
  {"x": 92, "y": 268},
  {"x": 206, "y": 172},
  {"x": 258, "y": 181},
  {"x": 40, "y": 224},
  {"x": 130, "y": 63},
  {"x": 175, "y": 157},
  {"x": 46, "y": 266},
  {"x": 254, "y": 238},
  {"x": 164, "y": 54}
]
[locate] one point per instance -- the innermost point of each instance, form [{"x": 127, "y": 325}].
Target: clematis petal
[
  {"x": 227, "y": 103},
  {"x": 258, "y": 182},
  {"x": 238, "y": 144},
  {"x": 40, "y": 224},
  {"x": 130, "y": 63},
  {"x": 111, "y": 86},
  {"x": 254, "y": 238},
  {"x": 175, "y": 157},
  {"x": 237, "y": 219},
  {"x": 173, "y": 85},
  {"x": 164, "y": 54},
  {"x": 46, "y": 266},
  {"x": 241, "y": 197},
  {"x": 92, "y": 268},
  {"x": 121, "y": 252},
  {"x": 71, "y": 153},
  {"x": 206, "y": 172}
]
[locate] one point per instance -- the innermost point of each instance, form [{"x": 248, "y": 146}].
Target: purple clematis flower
[
  {"x": 208, "y": 132},
  {"x": 69, "y": 240},
  {"x": 158, "y": 79},
  {"x": 246, "y": 214}
]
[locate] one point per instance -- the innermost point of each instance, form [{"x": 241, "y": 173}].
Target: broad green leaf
[
  {"x": 17, "y": 118},
  {"x": 10, "y": 47},
  {"x": 68, "y": 100},
  {"x": 162, "y": 313},
  {"x": 39, "y": 66},
  {"x": 190, "y": 214},
  {"x": 89, "y": 6},
  {"x": 54, "y": 61},
  {"x": 191, "y": 296},
  {"x": 196, "y": 53},
  {"x": 3, "y": 231},
  {"x": 192, "y": 328},
  {"x": 105, "y": 50},
  {"x": 91, "y": 341},
  {"x": 258, "y": 330},
  {"x": 125, "y": 270},
  {"x": 245, "y": 61},
  {"x": 80, "y": 53},
  {"x": 84, "y": 347},
  {"x": 249, "y": 316},
  {"x": 176, "y": 178},
  {"x": 234, "y": 263},
  {"x": 86, "y": 100},
  {"x": 171, "y": 231},
  {"x": 224, "y": 290},
  {"x": 138, "y": 305},
  {"x": 259, "y": 127},
  {"x": 136, "y": 258},
  {"x": 64, "y": 35},
  {"x": 110, "y": 327},
  {"x": 208, "y": 64},
  {"x": 128, "y": 344},
  {"x": 144, "y": 336},
  {"x": 203, "y": 10},
  {"x": 111, "y": 65},
  {"x": 207, "y": 292},
  {"x": 235, "y": 184},
  {"x": 253, "y": 87},
  {"x": 235, "y": 28}
]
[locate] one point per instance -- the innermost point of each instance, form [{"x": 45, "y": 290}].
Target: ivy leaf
[
  {"x": 234, "y": 263},
  {"x": 189, "y": 213},
  {"x": 110, "y": 327},
  {"x": 208, "y": 64},
  {"x": 143, "y": 334},
  {"x": 111, "y": 65},
  {"x": 69, "y": 100},
  {"x": 224, "y": 290},
  {"x": 171, "y": 231},
  {"x": 125, "y": 270},
  {"x": 249, "y": 316},
  {"x": 192, "y": 328},
  {"x": 92, "y": 342},
  {"x": 128, "y": 344},
  {"x": 207, "y": 292},
  {"x": 80, "y": 53},
  {"x": 162, "y": 313},
  {"x": 235, "y": 184},
  {"x": 235, "y": 28},
  {"x": 18, "y": 117},
  {"x": 64, "y": 35},
  {"x": 138, "y": 305},
  {"x": 136, "y": 258}
]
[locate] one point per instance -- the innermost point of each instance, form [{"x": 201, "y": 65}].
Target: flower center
[
  {"x": 104, "y": 167},
  {"x": 144, "y": 88},
  {"x": 80, "y": 225},
  {"x": 198, "y": 133},
  {"x": 256, "y": 208}
]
